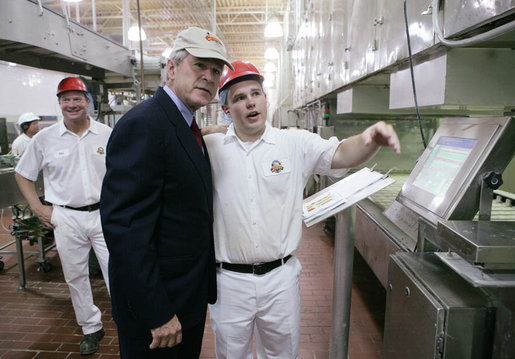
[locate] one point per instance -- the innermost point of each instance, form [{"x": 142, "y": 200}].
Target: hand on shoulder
[{"x": 207, "y": 130}]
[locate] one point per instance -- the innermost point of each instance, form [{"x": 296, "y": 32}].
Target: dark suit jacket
[{"x": 157, "y": 216}]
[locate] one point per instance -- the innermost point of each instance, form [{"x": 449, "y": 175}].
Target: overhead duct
[{"x": 464, "y": 81}]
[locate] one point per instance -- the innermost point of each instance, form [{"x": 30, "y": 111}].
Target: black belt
[
  {"x": 258, "y": 269},
  {"x": 88, "y": 208}
]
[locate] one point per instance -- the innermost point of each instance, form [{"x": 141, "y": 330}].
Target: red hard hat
[
  {"x": 71, "y": 84},
  {"x": 241, "y": 68}
]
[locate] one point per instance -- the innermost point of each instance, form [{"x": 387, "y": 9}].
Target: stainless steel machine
[
  {"x": 450, "y": 280},
  {"x": 25, "y": 227},
  {"x": 433, "y": 313}
]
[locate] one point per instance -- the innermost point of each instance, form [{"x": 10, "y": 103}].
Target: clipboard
[{"x": 343, "y": 194}]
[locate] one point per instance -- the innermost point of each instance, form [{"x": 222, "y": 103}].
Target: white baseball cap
[
  {"x": 202, "y": 44},
  {"x": 27, "y": 117}
]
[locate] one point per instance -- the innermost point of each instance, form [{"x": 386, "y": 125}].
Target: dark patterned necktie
[{"x": 196, "y": 132}]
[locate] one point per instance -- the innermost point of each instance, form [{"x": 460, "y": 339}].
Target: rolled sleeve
[{"x": 30, "y": 163}]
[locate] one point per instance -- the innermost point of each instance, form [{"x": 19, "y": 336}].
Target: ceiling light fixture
[
  {"x": 133, "y": 34},
  {"x": 271, "y": 53},
  {"x": 273, "y": 28},
  {"x": 270, "y": 67},
  {"x": 268, "y": 83},
  {"x": 166, "y": 53},
  {"x": 72, "y": 0}
]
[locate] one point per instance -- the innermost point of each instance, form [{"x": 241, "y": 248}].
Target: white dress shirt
[
  {"x": 73, "y": 167},
  {"x": 258, "y": 191}
]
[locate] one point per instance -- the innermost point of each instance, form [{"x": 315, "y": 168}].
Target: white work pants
[
  {"x": 268, "y": 303},
  {"x": 76, "y": 232}
]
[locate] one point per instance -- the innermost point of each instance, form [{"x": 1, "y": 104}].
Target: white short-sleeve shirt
[
  {"x": 258, "y": 191},
  {"x": 73, "y": 166},
  {"x": 20, "y": 144}
]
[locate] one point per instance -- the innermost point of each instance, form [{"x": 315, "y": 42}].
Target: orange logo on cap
[{"x": 210, "y": 37}]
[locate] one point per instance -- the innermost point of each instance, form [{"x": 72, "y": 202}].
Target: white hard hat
[{"x": 27, "y": 117}]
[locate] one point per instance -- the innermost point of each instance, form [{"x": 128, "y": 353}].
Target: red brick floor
[{"x": 39, "y": 322}]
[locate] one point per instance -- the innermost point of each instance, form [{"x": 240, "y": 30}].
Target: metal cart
[{"x": 27, "y": 227}]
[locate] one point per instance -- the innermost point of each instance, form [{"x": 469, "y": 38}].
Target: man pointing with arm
[{"x": 259, "y": 173}]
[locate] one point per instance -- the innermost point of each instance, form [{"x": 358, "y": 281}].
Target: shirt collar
[
  {"x": 268, "y": 136},
  {"x": 93, "y": 127},
  {"x": 186, "y": 113}
]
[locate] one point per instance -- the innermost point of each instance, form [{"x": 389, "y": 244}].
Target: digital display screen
[{"x": 443, "y": 164}]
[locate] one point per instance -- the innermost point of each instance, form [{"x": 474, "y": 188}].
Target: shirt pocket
[
  {"x": 276, "y": 167},
  {"x": 276, "y": 175},
  {"x": 98, "y": 158}
]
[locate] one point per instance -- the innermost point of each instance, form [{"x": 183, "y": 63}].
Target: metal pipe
[
  {"x": 342, "y": 287},
  {"x": 77, "y": 12},
  {"x": 94, "y": 14},
  {"x": 490, "y": 34},
  {"x": 142, "y": 67},
  {"x": 40, "y": 8},
  {"x": 213, "y": 19},
  {"x": 126, "y": 22},
  {"x": 65, "y": 12},
  {"x": 21, "y": 263}
]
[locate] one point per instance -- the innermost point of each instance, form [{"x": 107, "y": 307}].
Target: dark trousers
[{"x": 132, "y": 347}]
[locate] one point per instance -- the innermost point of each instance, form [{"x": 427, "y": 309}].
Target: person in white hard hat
[{"x": 29, "y": 125}]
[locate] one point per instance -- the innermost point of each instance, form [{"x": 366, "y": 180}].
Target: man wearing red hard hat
[
  {"x": 71, "y": 154},
  {"x": 259, "y": 173},
  {"x": 29, "y": 126}
]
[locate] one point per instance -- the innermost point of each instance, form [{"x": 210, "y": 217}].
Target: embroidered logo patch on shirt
[
  {"x": 100, "y": 150},
  {"x": 276, "y": 167}
]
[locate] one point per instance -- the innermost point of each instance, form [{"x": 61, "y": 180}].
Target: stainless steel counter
[{"x": 9, "y": 192}]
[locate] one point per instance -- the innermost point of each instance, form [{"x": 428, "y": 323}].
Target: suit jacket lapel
[{"x": 186, "y": 138}]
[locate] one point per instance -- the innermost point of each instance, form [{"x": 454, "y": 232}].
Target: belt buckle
[{"x": 259, "y": 269}]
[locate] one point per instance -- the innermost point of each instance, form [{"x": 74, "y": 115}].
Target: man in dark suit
[{"x": 156, "y": 209}]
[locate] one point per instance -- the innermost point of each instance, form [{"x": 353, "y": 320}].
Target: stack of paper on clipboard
[{"x": 343, "y": 194}]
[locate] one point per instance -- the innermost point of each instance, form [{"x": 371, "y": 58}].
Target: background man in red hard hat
[
  {"x": 29, "y": 125},
  {"x": 259, "y": 173},
  {"x": 157, "y": 212},
  {"x": 71, "y": 154}
]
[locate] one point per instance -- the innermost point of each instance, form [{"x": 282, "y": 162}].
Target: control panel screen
[{"x": 443, "y": 164}]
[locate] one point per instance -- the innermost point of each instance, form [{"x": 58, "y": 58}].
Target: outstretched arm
[{"x": 360, "y": 148}]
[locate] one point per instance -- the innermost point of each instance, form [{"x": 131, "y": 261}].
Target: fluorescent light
[
  {"x": 270, "y": 67},
  {"x": 166, "y": 52},
  {"x": 268, "y": 83},
  {"x": 72, "y": 0},
  {"x": 273, "y": 28},
  {"x": 133, "y": 34},
  {"x": 271, "y": 53}
]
